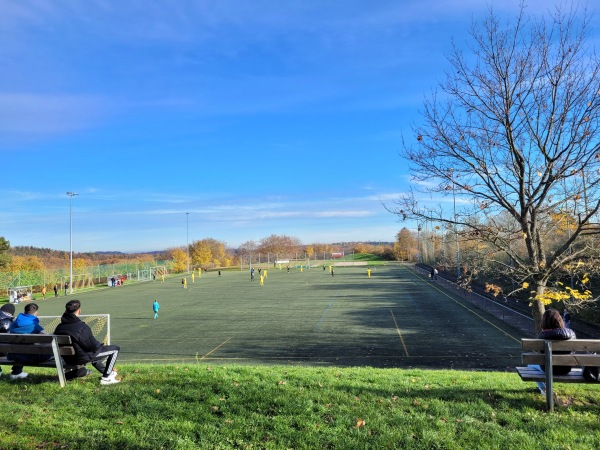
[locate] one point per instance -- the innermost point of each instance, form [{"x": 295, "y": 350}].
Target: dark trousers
[
  {"x": 105, "y": 358},
  {"x": 24, "y": 358}
]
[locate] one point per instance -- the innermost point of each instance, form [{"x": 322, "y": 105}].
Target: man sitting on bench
[
  {"x": 26, "y": 323},
  {"x": 87, "y": 348}
]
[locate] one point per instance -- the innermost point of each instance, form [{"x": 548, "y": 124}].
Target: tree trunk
[{"x": 537, "y": 309}]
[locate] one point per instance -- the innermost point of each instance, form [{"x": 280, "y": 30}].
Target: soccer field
[{"x": 395, "y": 318}]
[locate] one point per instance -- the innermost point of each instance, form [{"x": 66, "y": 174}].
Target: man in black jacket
[{"x": 87, "y": 348}]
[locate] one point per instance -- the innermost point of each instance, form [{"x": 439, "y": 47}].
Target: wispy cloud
[{"x": 46, "y": 114}]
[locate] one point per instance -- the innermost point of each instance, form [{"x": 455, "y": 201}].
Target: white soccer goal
[
  {"x": 144, "y": 275},
  {"x": 99, "y": 323},
  {"x": 20, "y": 294}
]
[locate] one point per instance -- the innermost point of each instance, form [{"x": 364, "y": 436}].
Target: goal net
[
  {"x": 144, "y": 275},
  {"x": 80, "y": 281},
  {"x": 20, "y": 294},
  {"x": 99, "y": 324}
]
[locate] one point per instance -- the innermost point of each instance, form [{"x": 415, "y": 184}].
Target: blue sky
[{"x": 255, "y": 117}]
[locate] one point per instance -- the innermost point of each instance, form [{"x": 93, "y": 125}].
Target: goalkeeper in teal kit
[{"x": 155, "y": 307}]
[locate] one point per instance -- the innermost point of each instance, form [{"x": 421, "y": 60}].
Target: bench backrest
[
  {"x": 22, "y": 343},
  {"x": 533, "y": 352}
]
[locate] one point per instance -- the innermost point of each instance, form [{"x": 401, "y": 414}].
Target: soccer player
[
  {"x": 193, "y": 277},
  {"x": 369, "y": 272},
  {"x": 44, "y": 292},
  {"x": 155, "y": 308},
  {"x": 262, "y": 280},
  {"x": 184, "y": 282}
]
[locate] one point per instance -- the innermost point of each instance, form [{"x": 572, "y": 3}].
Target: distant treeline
[{"x": 57, "y": 258}]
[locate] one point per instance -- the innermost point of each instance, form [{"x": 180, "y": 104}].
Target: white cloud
[{"x": 44, "y": 114}]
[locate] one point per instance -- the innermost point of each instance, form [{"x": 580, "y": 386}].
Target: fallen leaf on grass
[
  {"x": 119, "y": 422},
  {"x": 282, "y": 382},
  {"x": 360, "y": 423},
  {"x": 158, "y": 391}
]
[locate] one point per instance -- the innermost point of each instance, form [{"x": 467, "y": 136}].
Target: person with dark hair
[
  {"x": 26, "y": 323},
  {"x": 87, "y": 348},
  {"x": 7, "y": 315},
  {"x": 554, "y": 329}
]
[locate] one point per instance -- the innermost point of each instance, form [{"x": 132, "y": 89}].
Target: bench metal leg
[
  {"x": 548, "y": 370},
  {"x": 58, "y": 361}
]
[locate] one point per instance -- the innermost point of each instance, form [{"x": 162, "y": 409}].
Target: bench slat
[
  {"x": 33, "y": 349},
  {"x": 10, "y": 338},
  {"x": 531, "y": 374},
  {"x": 562, "y": 360},
  {"x": 575, "y": 345}
]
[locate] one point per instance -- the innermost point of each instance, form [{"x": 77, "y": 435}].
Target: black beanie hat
[{"x": 9, "y": 308}]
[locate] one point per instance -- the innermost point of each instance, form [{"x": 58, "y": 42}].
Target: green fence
[{"x": 98, "y": 273}]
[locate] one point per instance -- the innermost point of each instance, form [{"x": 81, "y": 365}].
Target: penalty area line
[
  {"x": 399, "y": 333},
  {"x": 215, "y": 349}
]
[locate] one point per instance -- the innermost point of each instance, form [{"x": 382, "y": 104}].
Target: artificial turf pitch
[{"x": 396, "y": 318}]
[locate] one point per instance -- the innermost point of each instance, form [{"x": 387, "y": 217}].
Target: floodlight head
[{"x": 71, "y": 194}]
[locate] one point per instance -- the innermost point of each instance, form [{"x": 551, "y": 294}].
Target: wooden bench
[
  {"x": 540, "y": 352},
  {"x": 43, "y": 344}
]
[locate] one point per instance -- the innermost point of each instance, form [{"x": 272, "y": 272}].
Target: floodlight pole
[
  {"x": 71, "y": 195},
  {"x": 187, "y": 220}
]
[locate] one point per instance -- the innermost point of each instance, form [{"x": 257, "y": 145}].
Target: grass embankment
[{"x": 199, "y": 406}]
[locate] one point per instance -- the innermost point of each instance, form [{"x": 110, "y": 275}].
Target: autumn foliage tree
[
  {"x": 209, "y": 251},
  {"x": 4, "y": 255},
  {"x": 514, "y": 136},
  {"x": 405, "y": 247},
  {"x": 179, "y": 258}
]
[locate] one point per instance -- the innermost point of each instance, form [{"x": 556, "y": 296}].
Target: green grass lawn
[{"x": 189, "y": 406}]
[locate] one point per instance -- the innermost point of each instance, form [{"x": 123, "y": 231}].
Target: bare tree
[{"x": 514, "y": 135}]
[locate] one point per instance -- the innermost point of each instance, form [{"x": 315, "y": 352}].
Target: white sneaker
[
  {"x": 18, "y": 376},
  {"x": 111, "y": 379}
]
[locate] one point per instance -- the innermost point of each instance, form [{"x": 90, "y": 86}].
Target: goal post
[{"x": 99, "y": 324}]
